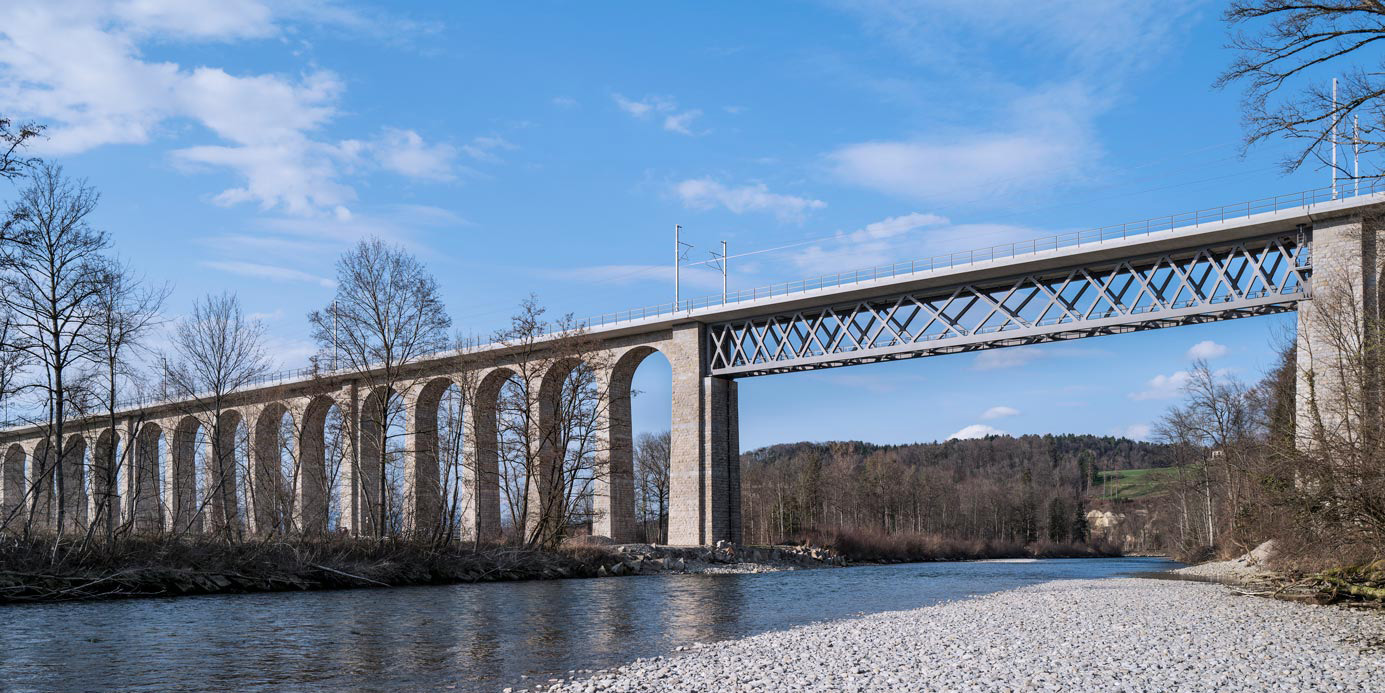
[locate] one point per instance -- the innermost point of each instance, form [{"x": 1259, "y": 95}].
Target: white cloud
[
  {"x": 674, "y": 120},
  {"x": 1207, "y": 349},
  {"x": 999, "y": 412},
  {"x": 680, "y": 122},
  {"x": 483, "y": 148},
  {"x": 267, "y": 127},
  {"x": 706, "y": 193},
  {"x": 564, "y": 102},
  {"x": 270, "y": 272},
  {"x": 404, "y": 152},
  {"x": 1137, "y": 431},
  {"x": 976, "y": 431},
  {"x": 1163, "y": 386}
]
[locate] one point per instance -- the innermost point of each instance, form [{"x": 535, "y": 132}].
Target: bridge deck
[{"x": 861, "y": 320}]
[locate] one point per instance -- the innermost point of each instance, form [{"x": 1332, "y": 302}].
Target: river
[{"x": 462, "y": 637}]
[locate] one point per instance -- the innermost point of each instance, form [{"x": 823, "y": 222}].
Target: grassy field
[{"x": 1131, "y": 484}]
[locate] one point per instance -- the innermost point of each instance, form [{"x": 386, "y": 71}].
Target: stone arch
[
  {"x": 310, "y": 492},
  {"x": 143, "y": 494},
  {"x": 614, "y": 499},
  {"x": 223, "y": 506},
  {"x": 268, "y": 502},
  {"x": 184, "y": 509},
  {"x": 553, "y": 444},
  {"x": 74, "y": 462},
  {"x": 12, "y": 485},
  {"x": 372, "y": 484},
  {"x": 483, "y": 490},
  {"x": 104, "y": 483},
  {"x": 39, "y": 481},
  {"x": 422, "y": 484}
]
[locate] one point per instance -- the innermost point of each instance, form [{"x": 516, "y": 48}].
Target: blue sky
[{"x": 550, "y": 148}]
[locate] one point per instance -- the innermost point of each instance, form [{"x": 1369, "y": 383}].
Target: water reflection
[{"x": 473, "y": 637}]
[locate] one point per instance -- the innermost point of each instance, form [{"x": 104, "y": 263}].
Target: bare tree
[
  {"x": 1288, "y": 52},
  {"x": 387, "y": 314},
  {"x": 50, "y": 278},
  {"x": 14, "y": 358},
  {"x": 218, "y": 350},
  {"x": 548, "y": 417},
  {"x": 652, "y": 464},
  {"x": 126, "y": 310},
  {"x": 14, "y": 137}
]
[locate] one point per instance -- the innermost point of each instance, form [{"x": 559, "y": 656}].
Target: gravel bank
[
  {"x": 1247, "y": 569},
  {"x": 1124, "y": 634}
]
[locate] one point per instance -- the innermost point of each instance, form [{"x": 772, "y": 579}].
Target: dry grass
[{"x": 869, "y": 546}]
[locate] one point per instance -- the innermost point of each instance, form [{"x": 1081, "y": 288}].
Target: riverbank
[
  {"x": 1112, "y": 634},
  {"x": 38, "y": 571}
]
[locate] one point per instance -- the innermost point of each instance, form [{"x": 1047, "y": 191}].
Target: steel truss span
[{"x": 1223, "y": 281}]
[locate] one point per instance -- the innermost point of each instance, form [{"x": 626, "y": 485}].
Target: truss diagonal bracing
[{"x": 1193, "y": 285}]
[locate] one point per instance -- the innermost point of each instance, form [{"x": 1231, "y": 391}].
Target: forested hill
[
  {"x": 1000, "y": 488},
  {"x": 981, "y": 454}
]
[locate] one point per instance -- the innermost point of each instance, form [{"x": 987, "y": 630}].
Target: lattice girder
[{"x": 1201, "y": 284}]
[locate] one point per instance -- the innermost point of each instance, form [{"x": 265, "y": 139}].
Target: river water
[{"x": 464, "y": 637}]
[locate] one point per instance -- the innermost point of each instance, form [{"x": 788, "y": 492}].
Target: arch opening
[
  {"x": 640, "y": 430},
  {"x": 12, "y": 486},
  {"x": 74, "y": 489},
  {"x": 104, "y": 483},
  {"x": 319, "y": 495},
  {"x": 144, "y": 496},
  {"x": 380, "y": 474},
  {"x": 434, "y": 478}
]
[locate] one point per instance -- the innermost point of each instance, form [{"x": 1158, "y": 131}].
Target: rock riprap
[{"x": 1123, "y": 634}]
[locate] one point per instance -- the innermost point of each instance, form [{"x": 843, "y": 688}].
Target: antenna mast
[{"x": 1356, "y": 155}]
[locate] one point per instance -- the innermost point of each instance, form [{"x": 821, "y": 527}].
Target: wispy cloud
[
  {"x": 1014, "y": 357},
  {"x": 681, "y": 122},
  {"x": 625, "y": 275},
  {"x": 674, "y": 120},
  {"x": 999, "y": 412},
  {"x": 270, "y": 272},
  {"x": 1045, "y": 145},
  {"x": 1139, "y": 431},
  {"x": 707, "y": 193},
  {"x": 1164, "y": 386},
  {"x": 1004, "y": 131},
  {"x": 484, "y": 148}
]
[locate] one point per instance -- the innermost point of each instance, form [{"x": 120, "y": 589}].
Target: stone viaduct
[{"x": 1256, "y": 258}]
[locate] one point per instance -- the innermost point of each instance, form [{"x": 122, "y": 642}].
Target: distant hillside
[
  {"x": 1021, "y": 489},
  {"x": 1107, "y": 452}
]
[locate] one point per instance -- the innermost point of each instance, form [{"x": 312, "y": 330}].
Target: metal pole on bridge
[
  {"x": 1334, "y": 138},
  {"x": 725, "y": 259},
  {"x": 677, "y": 253}
]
